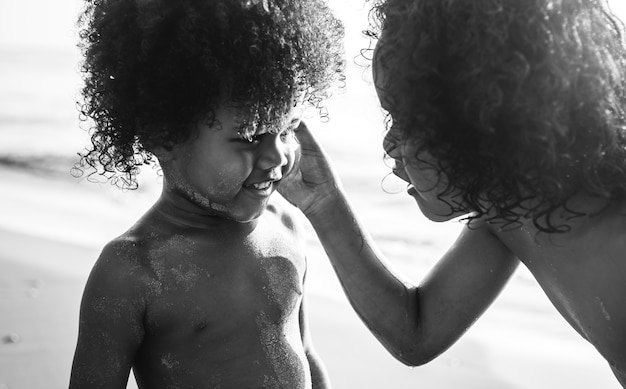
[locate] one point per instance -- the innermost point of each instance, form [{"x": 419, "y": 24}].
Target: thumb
[{"x": 309, "y": 146}]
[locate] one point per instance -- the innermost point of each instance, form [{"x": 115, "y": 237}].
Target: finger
[
  {"x": 306, "y": 139},
  {"x": 297, "y": 159}
]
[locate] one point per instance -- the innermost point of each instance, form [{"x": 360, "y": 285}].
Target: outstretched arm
[
  {"x": 620, "y": 375},
  {"x": 414, "y": 323}
]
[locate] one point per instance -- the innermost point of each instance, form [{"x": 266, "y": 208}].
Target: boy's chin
[
  {"x": 440, "y": 217},
  {"x": 241, "y": 212},
  {"x": 248, "y": 219},
  {"x": 243, "y": 217}
]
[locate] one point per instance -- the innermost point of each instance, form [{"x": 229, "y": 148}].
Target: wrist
[{"x": 326, "y": 206}]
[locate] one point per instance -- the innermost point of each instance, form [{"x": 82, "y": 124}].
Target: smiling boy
[{"x": 206, "y": 289}]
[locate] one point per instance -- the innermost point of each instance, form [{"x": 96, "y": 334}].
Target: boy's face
[
  {"x": 427, "y": 184},
  {"x": 227, "y": 175}
]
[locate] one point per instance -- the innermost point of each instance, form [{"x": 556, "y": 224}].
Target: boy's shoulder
[
  {"x": 121, "y": 257},
  {"x": 118, "y": 276},
  {"x": 598, "y": 231},
  {"x": 285, "y": 213}
]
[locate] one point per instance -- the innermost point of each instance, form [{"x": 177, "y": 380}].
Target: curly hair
[
  {"x": 520, "y": 102},
  {"x": 152, "y": 68}
]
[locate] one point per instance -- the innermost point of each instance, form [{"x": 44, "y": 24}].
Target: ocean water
[{"x": 38, "y": 114}]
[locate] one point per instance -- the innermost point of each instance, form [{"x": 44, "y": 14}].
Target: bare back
[
  {"x": 214, "y": 308},
  {"x": 583, "y": 273}
]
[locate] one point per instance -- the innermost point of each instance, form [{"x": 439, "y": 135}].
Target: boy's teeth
[{"x": 262, "y": 185}]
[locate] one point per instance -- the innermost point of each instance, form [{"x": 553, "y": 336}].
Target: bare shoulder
[
  {"x": 286, "y": 214},
  {"x": 613, "y": 218},
  {"x": 119, "y": 270},
  {"x": 111, "y": 318},
  {"x": 599, "y": 224}
]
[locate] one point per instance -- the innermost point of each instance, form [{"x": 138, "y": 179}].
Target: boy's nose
[
  {"x": 273, "y": 152},
  {"x": 390, "y": 145}
]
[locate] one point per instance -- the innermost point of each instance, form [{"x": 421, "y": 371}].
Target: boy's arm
[
  {"x": 414, "y": 323},
  {"x": 110, "y": 328},
  {"x": 319, "y": 377},
  {"x": 620, "y": 375}
]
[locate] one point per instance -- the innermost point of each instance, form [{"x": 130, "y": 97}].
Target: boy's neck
[{"x": 179, "y": 210}]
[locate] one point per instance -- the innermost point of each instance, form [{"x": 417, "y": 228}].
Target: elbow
[
  {"x": 413, "y": 355},
  {"x": 414, "y": 360}
]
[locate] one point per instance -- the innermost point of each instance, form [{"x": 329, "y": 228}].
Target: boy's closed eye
[
  {"x": 249, "y": 139},
  {"x": 286, "y": 135},
  {"x": 289, "y": 134}
]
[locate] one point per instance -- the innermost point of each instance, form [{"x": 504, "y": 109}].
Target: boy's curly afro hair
[
  {"x": 521, "y": 102},
  {"x": 152, "y": 68}
]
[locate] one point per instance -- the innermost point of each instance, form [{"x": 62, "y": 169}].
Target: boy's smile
[
  {"x": 264, "y": 185},
  {"x": 219, "y": 172}
]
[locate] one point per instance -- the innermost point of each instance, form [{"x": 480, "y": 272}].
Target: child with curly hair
[
  {"x": 206, "y": 289},
  {"x": 512, "y": 113}
]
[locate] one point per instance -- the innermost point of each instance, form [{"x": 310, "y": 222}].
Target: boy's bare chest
[
  {"x": 228, "y": 313},
  {"x": 218, "y": 287}
]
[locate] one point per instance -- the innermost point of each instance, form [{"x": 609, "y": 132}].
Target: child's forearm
[
  {"x": 387, "y": 306},
  {"x": 414, "y": 324},
  {"x": 620, "y": 375}
]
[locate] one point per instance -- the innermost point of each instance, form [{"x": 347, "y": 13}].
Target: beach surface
[{"x": 52, "y": 227}]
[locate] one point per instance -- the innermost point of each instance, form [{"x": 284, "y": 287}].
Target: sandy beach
[{"x": 52, "y": 227}]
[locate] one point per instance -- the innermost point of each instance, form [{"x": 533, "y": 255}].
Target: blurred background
[{"x": 52, "y": 227}]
